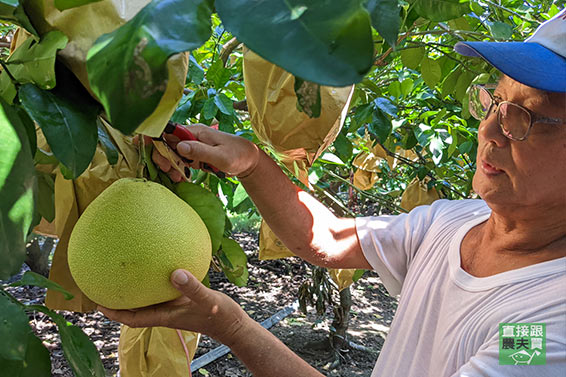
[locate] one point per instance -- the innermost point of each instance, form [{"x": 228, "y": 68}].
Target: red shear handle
[
  {"x": 181, "y": 132},
  {"x": 184, "y": 134}
]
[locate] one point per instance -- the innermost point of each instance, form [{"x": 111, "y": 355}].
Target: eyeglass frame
[{"x": 533, "y": 117}]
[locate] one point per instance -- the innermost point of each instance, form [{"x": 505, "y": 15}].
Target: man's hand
[
  {"x": 199, "y": 309},
  {"x": 231, "y": 154}
]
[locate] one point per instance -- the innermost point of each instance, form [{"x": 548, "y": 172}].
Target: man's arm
[
  {"x": 303, "y": 224},
  {"x": 306, "y": 226}
]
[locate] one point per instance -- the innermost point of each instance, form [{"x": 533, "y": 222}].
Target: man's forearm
[
  {"x": 266, "y": 356},
  {"x": 304, "y": 225}
]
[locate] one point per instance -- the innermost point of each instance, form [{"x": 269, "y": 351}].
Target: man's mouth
[{"x": 489, "y": 169}]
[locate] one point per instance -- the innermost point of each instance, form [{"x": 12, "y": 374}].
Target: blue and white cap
[{"x": 538, "y": 62}]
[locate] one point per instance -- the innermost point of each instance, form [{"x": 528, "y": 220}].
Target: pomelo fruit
[{"x": 130, "y": 239}]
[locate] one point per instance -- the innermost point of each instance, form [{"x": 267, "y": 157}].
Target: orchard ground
[{"x": 272, "y": 286}]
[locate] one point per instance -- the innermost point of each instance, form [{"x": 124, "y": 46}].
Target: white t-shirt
[{"x": 447, "y": 321}]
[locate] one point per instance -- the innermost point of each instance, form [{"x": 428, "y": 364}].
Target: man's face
[{"x": 523, "y": 173}]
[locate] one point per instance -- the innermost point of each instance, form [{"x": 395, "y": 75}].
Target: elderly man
[{"x": 461, "y": 268}]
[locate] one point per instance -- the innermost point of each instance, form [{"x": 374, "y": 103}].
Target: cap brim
[{"x": 526, "y": 62}]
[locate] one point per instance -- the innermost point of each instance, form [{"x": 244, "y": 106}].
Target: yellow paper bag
[
  {"x": 342, "y": 278},
  {"x": 417, "y": 194},
  {"x": 270, "y": 247},
  {"x": 274, "y": 116},
  {"x": 156, "y": 351}
]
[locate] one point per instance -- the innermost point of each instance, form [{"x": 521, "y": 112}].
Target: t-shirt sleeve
[{"x": 389, "y": 243}]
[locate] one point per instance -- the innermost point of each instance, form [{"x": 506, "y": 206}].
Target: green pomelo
[{"x": 130, "y": 239}]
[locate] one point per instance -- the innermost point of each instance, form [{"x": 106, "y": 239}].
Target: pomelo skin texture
[{"x": 130, "y": 239}]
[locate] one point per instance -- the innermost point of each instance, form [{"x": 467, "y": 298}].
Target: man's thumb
[
  {"x": 184, "y": 148},
  {"x": 180, "y": 277}
]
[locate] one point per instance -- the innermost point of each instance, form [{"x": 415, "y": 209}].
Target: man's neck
[
  {"x": 500, "y": 245},
  {"x": 524, "y": 236}
]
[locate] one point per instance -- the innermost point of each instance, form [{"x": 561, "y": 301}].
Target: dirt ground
[{"x": 272, "y": 286}]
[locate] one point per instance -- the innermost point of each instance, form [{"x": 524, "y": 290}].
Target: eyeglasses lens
[
  {"x": 514, "y": 120},
  {"x": 480, "y": 102}
]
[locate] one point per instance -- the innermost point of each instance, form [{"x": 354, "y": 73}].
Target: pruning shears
[{"x": 178, "y": 161}]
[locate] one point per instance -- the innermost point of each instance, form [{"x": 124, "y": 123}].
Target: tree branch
[
  {"x": 510, "y": 11},
  {"x": 241, "y": 105},
  {"x": 227, "y": 49}
]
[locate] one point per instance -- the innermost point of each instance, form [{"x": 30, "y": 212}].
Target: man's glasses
[{"x": 515, "y": 120}]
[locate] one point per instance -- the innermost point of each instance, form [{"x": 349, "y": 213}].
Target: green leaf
[
  {"x": 240, "y": 194},
  {"x": 208, "y": 207},
  {"x": 44, "y": 158},
  {"x": 17, "y": 186},
  {"x": 380, "y": 126},
  {"x": 236, "y": 270},
  {"x": 226, "y": 122},
  {"x": 450, "y": 81},
  {"x": 343, "y": 147},
  {"x": 462, "y": 85},
  {"x": 67, "y": 116},
  {"x": 209, "y": 109},
  {"x": 8, "y": 89},
  {"x": 127, "y": 68},
  {"x": 395, "y": 89},
  {"x": 224, "y": 104},
  {"x": 34, "y": 62},
  {"x": 37, "y": 280},
  {"x": 500, "y": 30},
  {"x": 146, "y": 155},
  {"x": 14, "y": 330},
  {"x": 436, "y": 147},
  {"x": 196, "y": 72},
  {"x": 183, "y": 111},
  {"x": 79, "y": 351},
  {"x": 308, "y": 97},
  {"x": 68, "y": 4},
  {"x": 329, "y": 42},
  {"x": 30, "y": 129},
  {"x": 412, "y": 57},
  {"x": 466, "y": 147},
  {"x": 386, "y": 106},
  {"x": 431, "y": 72},
  {"x": 67, "y": 174},
  {"x": 45, "y": 196},
  {"x": 440, "y": 10},
  {"x": 385, "y": 19},
  {"x": 37, "y": 361},
  {"x": 107, "y": 144},
  {"x": 407, "y": 86},
  {"x": 357, "y": 275},
  {"x": 476, "y": 8},
  {"x": 13, "y": 11},
  {"x": 218, "y": 75}
]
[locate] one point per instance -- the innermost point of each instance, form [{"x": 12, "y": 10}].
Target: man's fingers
[
  {"x": 161, "y": 161},
  {"x": 148, "y": 317},
  {"x": 146, "y": 139},
  {"x": 175, "y": 176},
  {"x": 200, "y": 151},
  {"x": 185, "y": 282},
  {"x": 206, "y": 134}
]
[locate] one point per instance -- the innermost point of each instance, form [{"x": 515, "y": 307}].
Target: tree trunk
[
  {"x": 341, "y": 320},
  {"x": 37, "y": 258}
]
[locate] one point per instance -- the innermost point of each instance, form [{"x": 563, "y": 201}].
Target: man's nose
[{"x": 491, "y": 132}]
